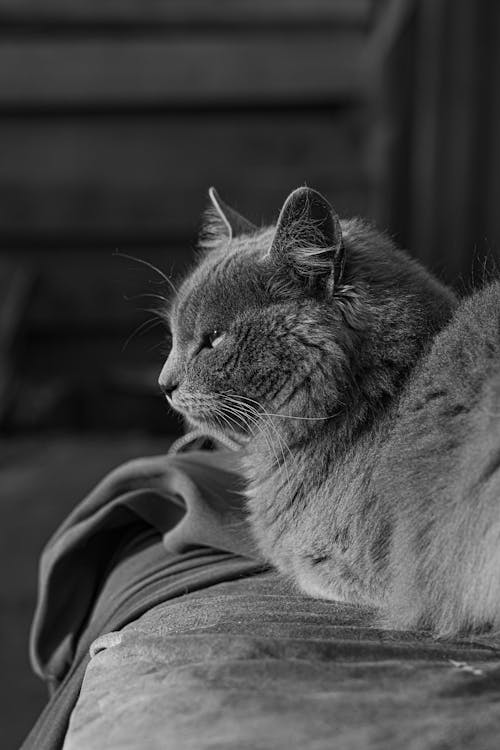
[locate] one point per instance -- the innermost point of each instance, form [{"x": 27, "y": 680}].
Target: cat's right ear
[
  {"x": 307, "y": 246},
  {"x": 221, "y": 223}
]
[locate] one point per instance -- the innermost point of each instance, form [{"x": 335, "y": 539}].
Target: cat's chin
[{"x": 212, "y": 427}]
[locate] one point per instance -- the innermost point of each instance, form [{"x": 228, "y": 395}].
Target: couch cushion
[{"x": 252, "y": 664}]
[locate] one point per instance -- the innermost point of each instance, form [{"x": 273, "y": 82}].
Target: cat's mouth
[{"x": 209, "y": 413}]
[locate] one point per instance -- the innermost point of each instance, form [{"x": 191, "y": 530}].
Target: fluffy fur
[{"x": 368, "y": 402}]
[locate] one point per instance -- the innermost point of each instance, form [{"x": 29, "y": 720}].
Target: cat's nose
[
  {"x": 168, "y": 379},
  {"x": 168, "y": 387}
]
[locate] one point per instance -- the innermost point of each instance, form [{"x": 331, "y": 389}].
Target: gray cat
[{"x": 368, "y": 402}]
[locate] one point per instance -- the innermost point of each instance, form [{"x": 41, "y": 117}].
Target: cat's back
[
  {"x": 451, "y": 377},
  {"x": 440, "y": 471},
  {"x": 443, "y": 429},
  {"x": 444, "y": 410},
  {"x": 470, "y": 343}
]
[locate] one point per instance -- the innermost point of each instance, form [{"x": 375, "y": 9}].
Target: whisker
[
  {"x": 154, "y": 311},
  {"x": 149, "y": 265},
  {"x": 132, "y": 298},
  {"x": 227, "y": 419},
  {"x": 264, "y": 425},
  {"x": 156, "y": 283},
  {"x": 290, "y": 416},
  {"x": 162, "y": 345},
  {"x": 143, "y": 327},
  {"x": 258, "y": 414},
  {"x": 234, "y": 415},
  {"x": 228, "y": 442}
]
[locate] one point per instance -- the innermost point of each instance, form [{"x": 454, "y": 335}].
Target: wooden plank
[
  {"x": 186, "y": 12},
  {"x": 181, "y": 71},
  {"x": 147, "y": 177}
]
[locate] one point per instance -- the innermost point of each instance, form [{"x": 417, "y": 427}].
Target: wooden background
[{"x": 116, "y": 117}]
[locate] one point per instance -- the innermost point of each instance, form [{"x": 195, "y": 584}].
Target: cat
[{"x": 366, "y": 397}]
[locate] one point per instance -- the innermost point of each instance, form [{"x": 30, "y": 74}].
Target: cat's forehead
[{"x": 225, "y": 282}]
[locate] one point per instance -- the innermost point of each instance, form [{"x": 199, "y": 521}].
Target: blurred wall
[
  {"x": 116, "y": 116},
  {"x": 442, "y": 104}
]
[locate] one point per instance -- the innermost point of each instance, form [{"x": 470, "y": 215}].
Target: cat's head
[{"x": 311, "y": 317}]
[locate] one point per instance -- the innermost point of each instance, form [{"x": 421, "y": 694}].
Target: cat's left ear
[
  {"x": 308, "y": 241},
  {"x": 233, "y": 223}
]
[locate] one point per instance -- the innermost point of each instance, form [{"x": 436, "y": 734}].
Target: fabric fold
[{"x": 192, "y": 499}]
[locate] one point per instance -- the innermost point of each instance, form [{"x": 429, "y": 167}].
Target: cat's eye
[{"x": 214, "y": 338}]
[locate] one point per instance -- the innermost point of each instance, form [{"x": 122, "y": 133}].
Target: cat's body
[
  {"x": 370, "y": 403},
  {"x": 409, "y": 511}
]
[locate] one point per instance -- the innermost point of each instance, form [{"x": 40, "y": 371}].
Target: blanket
[{"x": 153, "y": 529}]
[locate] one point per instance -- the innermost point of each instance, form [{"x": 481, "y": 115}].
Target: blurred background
[{"x": 115, "y": 118}]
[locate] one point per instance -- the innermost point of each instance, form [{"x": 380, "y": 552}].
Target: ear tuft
[
  {"x": 221, "y": 223},
  {"x": 308, "y": 241}
]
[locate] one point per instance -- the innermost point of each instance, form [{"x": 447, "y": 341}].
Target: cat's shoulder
[
  {"x": 462, "y": 355},
  {"x": 480, "y": 302},
  {"x": 476, "y": 319}
]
